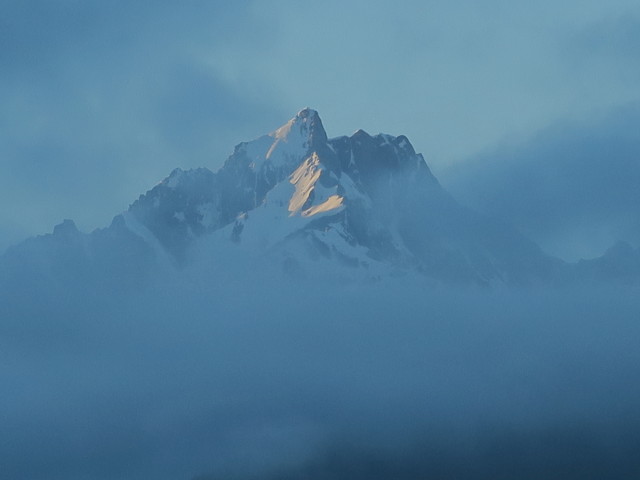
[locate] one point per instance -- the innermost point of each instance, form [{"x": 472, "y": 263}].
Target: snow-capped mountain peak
[
  {"x": 295, "y": 194},
  {"x": 282, "y": 148},
  {"x": 367, "y": 202},
  {"x": 306, "y": 126}
]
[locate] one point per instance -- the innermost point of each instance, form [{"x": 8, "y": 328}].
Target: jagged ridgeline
[{"x": 359, "y": 206}]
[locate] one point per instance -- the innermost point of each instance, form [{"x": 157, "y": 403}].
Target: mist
[
  {"x": 171, "y": 344},
  {"x": 571, "y": 187},
  {"x": 258, "y": 376}
]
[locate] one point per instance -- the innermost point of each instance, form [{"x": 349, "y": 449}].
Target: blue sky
[{"x": 100, "y": 100}]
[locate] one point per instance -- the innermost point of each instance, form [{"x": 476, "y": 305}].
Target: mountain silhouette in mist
[{"x": 358, "y": 206}]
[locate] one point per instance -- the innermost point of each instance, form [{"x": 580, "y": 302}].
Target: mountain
[
  {"x": 620, "y": 263},
  {"x": 360, "y": 206},
  {"x": 364, "y": 202}
]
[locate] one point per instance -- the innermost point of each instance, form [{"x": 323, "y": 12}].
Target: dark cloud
[
  {"x": 198, "y": 113},
  {"x": 557, "y": 453},
  {"x": 573, "y": 186},
  {"x": 101, "y": 100}
]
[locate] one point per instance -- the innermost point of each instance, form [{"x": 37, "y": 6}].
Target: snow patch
[
  {"x": 333, "y": 202},
  {"x": 305, "y": 179}
]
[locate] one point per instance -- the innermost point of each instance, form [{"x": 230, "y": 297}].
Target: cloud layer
[
  {"x": 572, "y": 187},
  {"x": 245, "y": 377}
]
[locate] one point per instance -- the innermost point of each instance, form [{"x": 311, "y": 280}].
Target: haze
[{"x": 174, "y": 343}]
